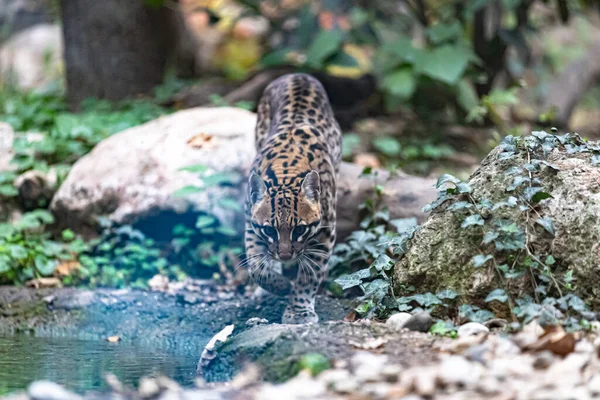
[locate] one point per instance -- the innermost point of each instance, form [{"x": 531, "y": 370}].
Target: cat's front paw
[{"x": 299, "y": 316}]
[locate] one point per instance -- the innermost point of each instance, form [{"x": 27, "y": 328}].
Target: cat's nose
[{"x": 285, "y": 256}]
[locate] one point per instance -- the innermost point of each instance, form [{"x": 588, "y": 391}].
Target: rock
[
  {"x": 456, "y": 370},
  {"x": 7, "y": 136},
  {"x": 440, "y": 254},
  {"x": 277, "y": 349},
  {"x": 36, "y": 188},
  {"x": 256, "y": 321},
  {"x": 420, "y": 322},
  {"x": 33, "y": 57},
  {"x": 543, "y": 359},
  {"x": 134, "y": 174},
  {"x": 131, "y": 176},
  {"x": 471, "y": 329},
  {"x": 148, "y": 388},
  {"x": 398, "y": 320},
  {"x": 46, "y": 390}
]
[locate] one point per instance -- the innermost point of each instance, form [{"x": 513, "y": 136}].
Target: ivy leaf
[
  {"x": 387, "y": 145},
  {"x": 446, "y": 178},
  {"x": 427, "y": 299},
  {"x": 447, "y": 294},
  {"x": 547, "y": 224},
  {"x": 187, "y": 190},
  {"x": 44, "y": 265},
  {"x": 474, "y": 219},
  {"x": 518, "y": 181},
  {"x": 348, "y": 281},
  {"x": 404, "y": 224},
  {"x": 8, "y": 190},
  {"x": 464, "y": 187},
  {"x": 490, "y": 236},
  {"x": 459, "y": 205},
  {"x": 204, "y": 221},
  {"x": 6, "y": 230},
  {"x": 596, "y": 160},
  {"x": 229, "y": 203},
  {"x": 532, "y": 191},
  {"x": 383, "y": 263},
  {"x": 376, "y": 289},
  {"x": 479, "y": 260},
  {"x": 17, "y": 252},
  {"x": 195, "y": 168},
  {"x": 497, "y": 295}
]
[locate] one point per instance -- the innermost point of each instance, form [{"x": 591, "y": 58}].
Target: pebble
[
  {"x": 398, "y": 320},
  {"x": 148, "y": 388},
  {"x": 368, "y": 366},
  {"x": 420, "y": 322},
  {"x": 46, "y": 390},
  {"x": 457, "y": 370},
  {"x": 472, "y": 329},
  {"x": 543, "y": 359}
]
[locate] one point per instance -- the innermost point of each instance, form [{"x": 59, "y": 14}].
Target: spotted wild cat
[{"x": 290, "y": 211}]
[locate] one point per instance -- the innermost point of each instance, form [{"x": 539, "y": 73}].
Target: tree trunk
[{"x": 114, "y": 49}]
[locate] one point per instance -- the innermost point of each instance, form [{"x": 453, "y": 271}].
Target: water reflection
[{"x": 80, "y": 364}]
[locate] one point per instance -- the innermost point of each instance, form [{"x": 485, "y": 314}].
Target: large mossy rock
[{"x": 533, "y": 205}]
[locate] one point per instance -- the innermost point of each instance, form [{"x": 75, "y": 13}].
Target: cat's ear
[
  {"x": 257, "y": 188},
  {"x": 311, "y": 186}
]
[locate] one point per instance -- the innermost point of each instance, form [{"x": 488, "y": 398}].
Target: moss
[{"x": 440, "y": 253}]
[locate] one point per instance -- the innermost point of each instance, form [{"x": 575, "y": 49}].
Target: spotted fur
[{"x": 290, "y": 211}]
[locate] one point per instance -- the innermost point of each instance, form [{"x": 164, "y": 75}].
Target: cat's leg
[
  {"x": 264, "y": 271},
  {"x": 312, "y": 270}
]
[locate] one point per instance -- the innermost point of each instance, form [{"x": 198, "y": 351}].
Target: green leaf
[
  {"x": 8, "y": 190},
  {"x": 315, "y": 363},
  {"x": 447, "y": 294},
  {"x": 459, "y": 205},
  {"x": 227, "y": 231},
  {"x": 6, "y": 230},
  {"x": 427, "y": 299},
  {"x": 68, "y": 235},
  {"x": 325, "y": 44},
  {"x": 276, "y": 58},
  {"x": 403, "y": 224},
  {"x": 517, "y": 181},
  {"x": 464, "y": 187},
  {"x": 471, "y": 220},
  {"x": 229, "y": 203},
  {"x": 387, "y": 145},
  {"x": 467, "y": 96},
  {"x": 539, "y": 196},
  {"x": 44, "y": 265},
  {"x": 400, "y": 83},
  {"x": 446, "y": 63},
  {"x": 204, "y": 221},
  {"x": 4, "y": 264},
  {"x": 547, "y": 224},
  {"x": 497, "y": 295},
  {"x": 383, "y": 263},
  {"x": 490, "y": 236},
  {"x": 348, "y": 281},
  {"x": 446, "y": 178},
  {"x": 18, "y": 252},
  {"x": 195, "y": 168},
  {"x": 441, "y": 32},
  {"x": 187, "y": 190},
  {"x": 479, "y": 260}
]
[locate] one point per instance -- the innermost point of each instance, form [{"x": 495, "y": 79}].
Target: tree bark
[{"x": 114, "y": 49}]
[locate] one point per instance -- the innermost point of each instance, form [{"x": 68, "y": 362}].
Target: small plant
[{"x": 28, "y": 252}]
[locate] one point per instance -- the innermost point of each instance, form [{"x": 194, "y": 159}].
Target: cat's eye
[
  {"x": 299, "y": 230},
  {"x": 270, "y": 231}
]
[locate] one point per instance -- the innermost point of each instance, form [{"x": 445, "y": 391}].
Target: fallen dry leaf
[
  {"x": 66, "y": 268},
  {"x": 556, "y": 340},
  {"x": 40, "y": 283},
  {"x": 113, "y": 339},
  {"x": 369, "y": 344},
  {"x": 351, "y": 317},
  {"x": 209, "y": 350},
  {"x": 202, "y": 141}
]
